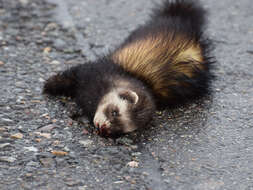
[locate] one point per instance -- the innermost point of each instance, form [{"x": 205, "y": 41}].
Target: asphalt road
[{"x": 206, "y": 145}]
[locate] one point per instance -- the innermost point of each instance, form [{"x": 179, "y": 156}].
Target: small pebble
[
  {"x": 82, "y": 188},
  {"x": 4, "y": 145},
  {"x": 7, "y": 121},
  {"x": 59, "y": 153},
  {"x": 47, "y": 50},
  {"x": 56, "y": 143},
  {"x": 86, "y": 143},
  {"x": 47, "y": 128},
  {"x": 136, "y": 154},
  {"x": 31, "y": 148},
  {"x": 66, "y": 149},
  {"x": 124, "y": 141},
  {"x": 32, "y": 164},
  {"x": 134, "y": 147},
  {"x": 118, "y": 182},
  {"x": 55, "y": 62},
  {"x": 17, "y": 136},
  {"x": 46, "y": 135},
  {"x": 28, "y": 175},
  {"x": 7, "y": 159},
  {"x": 71, "y": 182},
  {"x": 133, "y": 164},
  {"x": 51, "y": 26},
  {"x": 38, "y": 140},
  {"x": 1, "y": 63},
  {"x": 24, "y": 2},
  {"x": 41, "y": 80},
  {"x": 128, "y": 178},
  {"x": 35, "y": 101},
  {"x": 2, "y": 129}
]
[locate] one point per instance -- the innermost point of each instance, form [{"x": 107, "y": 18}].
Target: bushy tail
[
  {"x": 61, "y": 84},
  {"x": 188, "y": 11}
]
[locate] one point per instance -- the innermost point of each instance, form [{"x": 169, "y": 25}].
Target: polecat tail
[{"x": 190, "y": 12}]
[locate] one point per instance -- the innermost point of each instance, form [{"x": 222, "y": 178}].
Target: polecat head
[{"x": 123, "y": 111}]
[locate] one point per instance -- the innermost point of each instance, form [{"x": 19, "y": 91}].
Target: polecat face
[{"x": 113, "y": 115}]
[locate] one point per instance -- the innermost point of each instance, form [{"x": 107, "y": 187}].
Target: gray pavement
[{"x": 206, "y": 145}]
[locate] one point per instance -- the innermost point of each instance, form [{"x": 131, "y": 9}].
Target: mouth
[
  {"x": 107, "y": 132},
  {"x": 104, "y": 131},
  {"x": 103, "y": 128}
]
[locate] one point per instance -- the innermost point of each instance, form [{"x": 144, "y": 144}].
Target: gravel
[{"x": 205, "y": 145}]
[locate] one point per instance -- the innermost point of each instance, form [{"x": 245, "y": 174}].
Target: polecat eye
[
  {"x": 114, "y": 113},
  {"x": 123, "y": 97},
  {"x": 127, "y": 97}
]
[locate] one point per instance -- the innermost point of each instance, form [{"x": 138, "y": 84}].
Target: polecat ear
[
  {"x": 135, "y": 96},
  {"x": 130, "y": 96}
]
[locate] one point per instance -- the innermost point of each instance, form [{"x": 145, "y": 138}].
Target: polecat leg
[{"x": 61, "y": 84}]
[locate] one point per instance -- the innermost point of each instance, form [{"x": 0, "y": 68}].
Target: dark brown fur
[{"x": 164, "y": 62}]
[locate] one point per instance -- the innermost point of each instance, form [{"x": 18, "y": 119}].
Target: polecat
[{"x": 163, "y": 62}]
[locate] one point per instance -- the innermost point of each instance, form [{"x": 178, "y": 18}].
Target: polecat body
[{"x": 164, "y": 62}]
